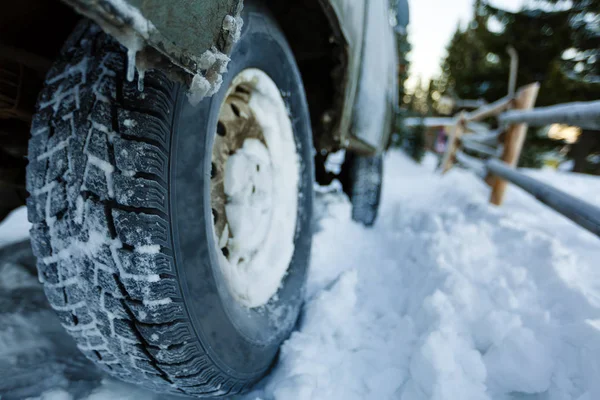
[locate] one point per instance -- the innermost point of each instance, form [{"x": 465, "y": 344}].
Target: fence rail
[
  {"x": 578, "y": 211},
  {"x": 499, "y": 151},
  {"x": 478, "y": 147},
  {"x": 490, "y": 110},
  {"x": 585, "y": 115}
]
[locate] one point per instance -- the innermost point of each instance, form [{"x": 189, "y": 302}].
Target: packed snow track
[{"x": 445, "y": 297}]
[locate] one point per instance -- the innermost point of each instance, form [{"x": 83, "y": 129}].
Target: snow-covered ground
[{"x": 445, "y": 297}]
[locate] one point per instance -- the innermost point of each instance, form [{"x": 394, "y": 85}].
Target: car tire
[
  {"x": 364, "y": 182},
  {"x": 119, "y": 184}
]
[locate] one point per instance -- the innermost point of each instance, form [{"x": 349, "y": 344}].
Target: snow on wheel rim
[{"x": 254, "y": 188}]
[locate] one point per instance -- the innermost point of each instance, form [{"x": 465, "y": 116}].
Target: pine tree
[
  {"x": 582, "y": 61},
  {"x": 403, "y": 48}
]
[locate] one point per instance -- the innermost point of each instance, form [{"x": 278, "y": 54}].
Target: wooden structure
[
  {"x": 514, "y": 139},
  {"x": 497, "y": 152}
]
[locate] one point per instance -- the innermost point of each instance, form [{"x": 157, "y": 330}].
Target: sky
[{"x": 432, "y": 24}]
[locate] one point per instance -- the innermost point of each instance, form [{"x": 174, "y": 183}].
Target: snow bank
[
  {"x": 15, "y": 227},
  {"x": 445, "y": 298}
]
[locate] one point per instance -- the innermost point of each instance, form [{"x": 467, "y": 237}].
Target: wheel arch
[
  {"x": 327, "y": 50},
  {"x": 313, "y": 30}
]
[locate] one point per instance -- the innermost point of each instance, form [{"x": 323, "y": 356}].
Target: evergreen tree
[
  {"x": 582, "y": 61},
  {"x": 403, "y": 48},
  {"x": 417, "y": 103}
]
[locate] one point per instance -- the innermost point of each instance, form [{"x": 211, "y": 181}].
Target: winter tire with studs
[{"x": 173, "y": 240}]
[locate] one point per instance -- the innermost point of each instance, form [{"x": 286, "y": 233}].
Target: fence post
[
  {"x": 452, "y": 144},
  {"x": 513, "y": 140}
]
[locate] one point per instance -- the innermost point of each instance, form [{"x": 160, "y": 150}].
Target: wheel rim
[{"x": 254, "y": 188}]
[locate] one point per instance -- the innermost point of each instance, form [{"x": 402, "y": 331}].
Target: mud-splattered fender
[{"x": 190, "y": 39}]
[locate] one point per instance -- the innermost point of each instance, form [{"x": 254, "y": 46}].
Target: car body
[
  {"x": 183, "y": 31},
  {"x": 345, "y": 50}
]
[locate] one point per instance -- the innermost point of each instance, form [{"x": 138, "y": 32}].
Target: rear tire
[
  {"x": 122, "y": 223},
  {"x": 365, "y": 178}
]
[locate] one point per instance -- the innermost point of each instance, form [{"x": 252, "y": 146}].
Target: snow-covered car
[{"x": 172, "y": 155}]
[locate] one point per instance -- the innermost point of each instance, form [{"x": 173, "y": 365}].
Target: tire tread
[{"x": 97, "y": 178}]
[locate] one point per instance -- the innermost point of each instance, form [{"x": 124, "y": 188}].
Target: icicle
[
  {"x": 141, "y": 74},
  {"x": 131, "y": 63}
]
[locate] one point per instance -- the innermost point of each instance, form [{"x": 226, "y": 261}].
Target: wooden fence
[{"x": 498, "y": 151}]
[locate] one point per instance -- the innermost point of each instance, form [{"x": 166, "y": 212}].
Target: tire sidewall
[{"x": 241, "y": 341}]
